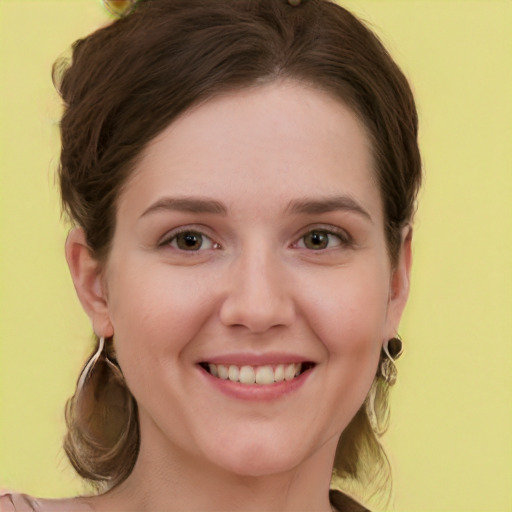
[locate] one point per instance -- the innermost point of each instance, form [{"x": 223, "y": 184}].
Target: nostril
[
  {"x": 257, "y": 296},
  {"x": 257, "y": 316}
]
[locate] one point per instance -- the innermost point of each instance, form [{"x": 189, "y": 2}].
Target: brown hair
[{"x": 129, "y": 80}]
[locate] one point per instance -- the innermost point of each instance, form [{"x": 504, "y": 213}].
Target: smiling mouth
[{"x": 265, "y": 375}]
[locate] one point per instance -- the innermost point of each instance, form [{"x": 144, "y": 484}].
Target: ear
[
  {"x": 400, "y": 283},
  {"x": 86, "y": 273}
]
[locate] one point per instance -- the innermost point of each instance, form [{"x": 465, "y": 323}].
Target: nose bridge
[{"x": 258, "y": 297}]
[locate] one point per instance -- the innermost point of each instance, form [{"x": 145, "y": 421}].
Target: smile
[{"x": 264, "y": 375}]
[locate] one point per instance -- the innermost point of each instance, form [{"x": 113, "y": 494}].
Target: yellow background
[{"x": 450, "y": 441}]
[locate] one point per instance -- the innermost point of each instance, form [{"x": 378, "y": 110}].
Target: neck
[{"x": 166, "y": 478}]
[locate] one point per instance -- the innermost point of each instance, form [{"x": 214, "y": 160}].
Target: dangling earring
[
  {"x": 392, "y": 350},
  {"x": 88, "y": 367}
]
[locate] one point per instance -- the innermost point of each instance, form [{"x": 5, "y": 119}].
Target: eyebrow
[
  {"x": 326, "y": 205},
  {"x": 299, "y": 206},
  {"x": 186, "y": 204}
]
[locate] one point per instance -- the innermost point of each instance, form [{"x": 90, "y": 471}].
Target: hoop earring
[
  {"x": 392, "y": 350},
  {"x": 88, "y": 367}
]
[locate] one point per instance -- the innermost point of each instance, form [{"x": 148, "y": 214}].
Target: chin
[
  {"x": 262, "y": 457},
  {"x": 260, "y": 465}
]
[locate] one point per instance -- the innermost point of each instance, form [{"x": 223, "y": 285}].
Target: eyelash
[{"x": 345, "y": 240}]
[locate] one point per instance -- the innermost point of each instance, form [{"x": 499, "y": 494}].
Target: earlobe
[
  {"x": 400, "y": 282},
  {"x": 86, "y": 273}
]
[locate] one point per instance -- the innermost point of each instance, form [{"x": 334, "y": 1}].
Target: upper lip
[{"x": 251, "y": 359}]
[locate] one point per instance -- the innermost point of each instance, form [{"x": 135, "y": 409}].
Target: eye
[
  {"x": 190, "y": 240},
  {"x": 319, "y": 239}
]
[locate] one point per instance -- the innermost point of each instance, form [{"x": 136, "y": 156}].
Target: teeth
[
  {"x": 233, "y": 373},
  {"x": 289, "y": 372},
  {"x": 213, "y": 370},
  {"x": 279, "y": 373},
  {"x": 263, "y": 375},
  {"x": 247, "y": 375},
  {"x": 222, "y": 371}
]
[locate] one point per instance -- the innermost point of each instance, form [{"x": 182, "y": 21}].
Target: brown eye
[
  {"x": 319, "y": 239},
  {"x": 316, "y": 240},
  {"x": 191, "y": 241}
]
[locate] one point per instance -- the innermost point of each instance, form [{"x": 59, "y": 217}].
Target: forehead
[{"x": 270, "y": 142}]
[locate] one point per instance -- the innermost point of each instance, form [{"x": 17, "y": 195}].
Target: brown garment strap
[{"x": 343, "y": 503}]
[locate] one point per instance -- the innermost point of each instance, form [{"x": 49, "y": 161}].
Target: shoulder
[
  {"x": 6, "y": 504},
  {"x": 15, "y": 502},
  {"x": 343, "y": 503}
]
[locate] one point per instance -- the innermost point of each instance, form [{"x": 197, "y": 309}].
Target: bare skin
[{"x": 274, "y": 188}]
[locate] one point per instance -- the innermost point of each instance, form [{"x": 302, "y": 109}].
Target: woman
[{"x": 242, "y": 177}]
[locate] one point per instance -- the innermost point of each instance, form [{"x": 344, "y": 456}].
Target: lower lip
[{"x": 256, "y": 392}]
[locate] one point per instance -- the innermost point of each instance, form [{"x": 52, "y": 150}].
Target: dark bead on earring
[
  {"x": 395, "y": 347},
  {"x": 391, "y": 351}
]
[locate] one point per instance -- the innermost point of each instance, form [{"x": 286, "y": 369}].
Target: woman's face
[{"x": 250, "y": 244}]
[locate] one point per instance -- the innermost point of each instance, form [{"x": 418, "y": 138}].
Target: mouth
[{"x": 259, "y": 375}]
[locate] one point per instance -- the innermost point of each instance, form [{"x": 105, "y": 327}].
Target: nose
[{"x": 258, "y": 296}]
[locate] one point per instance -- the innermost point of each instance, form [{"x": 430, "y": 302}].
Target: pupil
[
  {"x": 189, "y": 241},
  {"x": 317, "y": 240}
]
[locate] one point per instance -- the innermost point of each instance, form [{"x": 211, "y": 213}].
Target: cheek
[
  {"x": 155, "y": 312},
  {"x": 348, "y": 315},
  {"x": 157, "y": 309},
  {"x": 348, "y": 311},
  {"x": 349, "y": 319}
]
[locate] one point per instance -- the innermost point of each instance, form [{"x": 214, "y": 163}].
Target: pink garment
[{"x": 14, "y": 502}]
